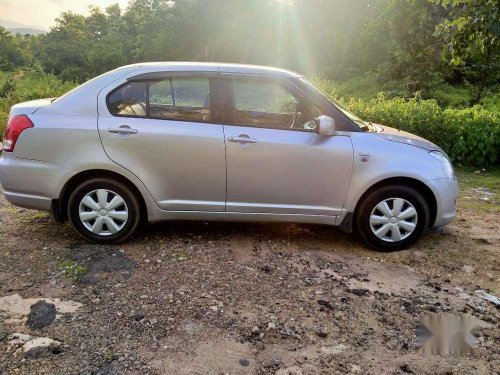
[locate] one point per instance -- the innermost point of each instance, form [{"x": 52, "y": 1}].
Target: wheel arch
[
  {"x": 418, "y": 185},
  {"x": 59, "y": 206}
]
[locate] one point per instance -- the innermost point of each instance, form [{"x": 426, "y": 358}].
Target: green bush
[
  {"x": 470, "y": 136},
  {"x": 24, "y": 86}
]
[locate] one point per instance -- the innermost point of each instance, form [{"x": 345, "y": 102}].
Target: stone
[
  {"x": 33, "y": 347},
  {"x": 359, "y": 292},
  {"x": 326, "y": 304},
  {"x": 322, "y": 332},
  {"x": 42, "y": 314},
  {"x": 244, "y": 362}
]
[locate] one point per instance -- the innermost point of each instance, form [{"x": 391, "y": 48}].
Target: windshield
[{"x": 366, "y": 126}]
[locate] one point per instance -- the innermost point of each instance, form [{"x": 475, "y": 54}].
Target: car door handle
[
  {"x": 123, "y": 130},
  {"x": 242, "y": 139}
]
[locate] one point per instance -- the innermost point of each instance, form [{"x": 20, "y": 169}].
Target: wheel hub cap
[
  {"x": 393, "y": 219},
  {"x": 103, "y": 212}
]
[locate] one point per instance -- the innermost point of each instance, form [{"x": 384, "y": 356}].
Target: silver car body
[{"x": 190, "y": 171}]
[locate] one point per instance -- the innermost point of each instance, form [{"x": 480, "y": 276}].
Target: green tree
[
  {"x": 11, "y": 52},
  {"x": 398, "y": 42},
  {"x": 64, "y": 48},
  {"x": 471, "y": 34}
]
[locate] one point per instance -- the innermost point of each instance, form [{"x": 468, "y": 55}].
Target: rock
[
  {"x": 355, "y": 369},
  {"x": 271, "y": 326},
  {"x": 139, "y": 317},
  {"x": 460, "y": 293},
  {"x": 96, "y": 301},
  {"x": 244, "y": 362},
  {"x": 327, "y": 304},
  {"x": 41, "y": 346},
  {"x": 322, "y": 332},
  {"x": 406, "y": 368},
  {"x": 255, "y": 330},
  {"x": 18, "y": 308},
  {"x": 359, "y": 292},
  {"x": 337, "y": 349},
  {"x": 468, "y": 269},
  {"x": 34, "y": 347},
  {"x": 41, "y": 315},
  {"x": 266, "y": 269},
  {"x": 488, "y": 297}
]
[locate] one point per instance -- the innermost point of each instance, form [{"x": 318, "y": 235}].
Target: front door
[
  {"x": 276, "y": 161},
  {"x": 166, "y": 132}
]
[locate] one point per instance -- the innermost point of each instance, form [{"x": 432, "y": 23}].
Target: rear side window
[
  {"x": 185, "y": 99},
  {"x": 129, "y": 100},
  {"x": 179, "y": 99}
]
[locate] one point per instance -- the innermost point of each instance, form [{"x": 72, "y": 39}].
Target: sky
[{"x": 42, "y": 13}]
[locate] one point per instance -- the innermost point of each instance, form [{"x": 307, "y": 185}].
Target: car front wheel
[
  {"x": 392, "y": 217},
  {"x": 104, "y": 210}
]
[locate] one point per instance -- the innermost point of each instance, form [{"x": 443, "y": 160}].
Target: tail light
[{"x": 15, "y": 127}]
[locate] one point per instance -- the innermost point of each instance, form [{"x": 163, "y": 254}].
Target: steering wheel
[{"x": 296, "y": 118}]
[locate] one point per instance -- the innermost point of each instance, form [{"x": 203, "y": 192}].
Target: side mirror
[{"x": 326, "y": 125}]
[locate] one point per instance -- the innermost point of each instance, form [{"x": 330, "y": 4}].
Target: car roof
[
  {"x": 81, "y": 100},
  {"x": 210, "y": 67}
]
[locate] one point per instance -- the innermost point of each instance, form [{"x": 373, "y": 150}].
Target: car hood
[{"x": 396, "y": 135}]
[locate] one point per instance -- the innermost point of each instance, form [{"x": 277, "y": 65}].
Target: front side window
[
  {"x": 181, "y": 99},
  {"x": 268, "y": 104}
]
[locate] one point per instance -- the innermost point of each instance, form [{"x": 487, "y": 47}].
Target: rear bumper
[
  {"x": 31, "y": 183},
  {"x": 446, "y": 192}
]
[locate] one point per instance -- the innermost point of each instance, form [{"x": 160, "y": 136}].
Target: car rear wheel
[
  {"x": 392, "y": 217},
  {"x": 104, "y": 210}
]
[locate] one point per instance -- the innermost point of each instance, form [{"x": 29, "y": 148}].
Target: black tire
[
  {"x": 131, "y": 201},
  {"x": 372, "y": 199}
]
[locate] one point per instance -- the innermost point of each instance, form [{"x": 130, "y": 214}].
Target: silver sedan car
[{"x": 196, "y": 141}]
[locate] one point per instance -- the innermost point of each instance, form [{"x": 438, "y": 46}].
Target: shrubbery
[
  {"x": 470, "y": 136},
  {"x": 24, "y": 86}
]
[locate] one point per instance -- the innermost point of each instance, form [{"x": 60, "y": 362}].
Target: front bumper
[
  {"x": 446, "y": 192},
  {"x": 31, "y": 183}
]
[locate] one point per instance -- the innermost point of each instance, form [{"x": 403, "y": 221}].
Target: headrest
[{"x": 134, "y": 92}]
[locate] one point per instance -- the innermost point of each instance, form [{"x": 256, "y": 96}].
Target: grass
[
  {"x": 72, "y": 270},
  {"x": 476, "y": 185}
]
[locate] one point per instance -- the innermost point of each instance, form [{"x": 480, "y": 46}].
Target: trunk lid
[{"x": 26, "y": 108}]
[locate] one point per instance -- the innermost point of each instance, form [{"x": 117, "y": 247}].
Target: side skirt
[{"x": 244, "y": 217}]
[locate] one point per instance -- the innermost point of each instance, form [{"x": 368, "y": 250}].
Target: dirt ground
[{"x": 217, "y": 298}]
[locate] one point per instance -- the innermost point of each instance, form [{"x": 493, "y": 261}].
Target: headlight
[{"x": 445, "y": 161}]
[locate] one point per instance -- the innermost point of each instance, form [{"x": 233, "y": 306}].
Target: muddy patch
[{"x": 100, "y": 260}]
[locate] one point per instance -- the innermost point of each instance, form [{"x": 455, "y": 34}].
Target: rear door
[
  {"x": 276, "y": 162},
  {"x": 167, "y": 131}
]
